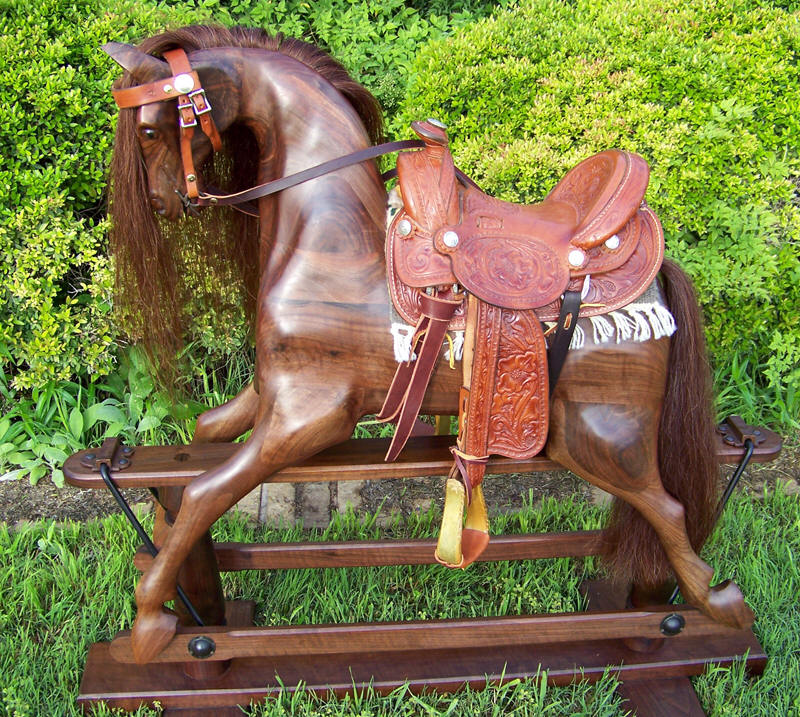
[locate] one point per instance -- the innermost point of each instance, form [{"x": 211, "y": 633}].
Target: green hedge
[
  {"x": 55, "y": 137},
  {"x": 708, "y": 93},
  {"x": 56, "y": 130},
  {"x": 708, "y": 96}
]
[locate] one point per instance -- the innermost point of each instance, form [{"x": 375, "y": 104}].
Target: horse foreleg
[
  {"x": 289, "y": 433},
  {"x": 615, "y": 447},
  {"x": 230, "y": 420}
]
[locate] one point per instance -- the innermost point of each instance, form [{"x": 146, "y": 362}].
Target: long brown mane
[{"x": 165, "y": 269}]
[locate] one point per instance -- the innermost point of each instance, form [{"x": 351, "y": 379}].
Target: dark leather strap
[
  {"x": 567, "y": 321},
  {"x": 277, "y": 185},
  {"x": 411, "y": 379}
]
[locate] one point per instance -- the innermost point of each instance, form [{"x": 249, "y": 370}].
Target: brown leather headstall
[{"x": 193, "y": 108}]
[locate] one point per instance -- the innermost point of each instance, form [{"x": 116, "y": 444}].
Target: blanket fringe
[{"x": 635, "y": 322}]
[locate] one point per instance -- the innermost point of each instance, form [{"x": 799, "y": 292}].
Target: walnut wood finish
[
  {"x": 355, "y": 459},
  {"x": 370, "y": 553},
  {"x": 376, "y": 637},
  {"x": 323, "y": 347},
  {"x": 199, "y": 574},
  {"x": 127, "y": 686},
  {"x": 665, "y": 695}
]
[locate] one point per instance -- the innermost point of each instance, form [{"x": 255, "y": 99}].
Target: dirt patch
[
  {"x": 22, "y": 502},
  {"x": 504, "y": 494}
]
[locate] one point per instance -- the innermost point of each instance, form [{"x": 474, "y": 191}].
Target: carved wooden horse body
[{"x": 324, "y": 353}]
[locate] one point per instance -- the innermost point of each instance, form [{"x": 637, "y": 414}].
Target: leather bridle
[{"x": 194, "y": 109}]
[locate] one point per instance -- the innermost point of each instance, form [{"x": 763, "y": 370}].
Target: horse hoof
[
  {"x": 151, "y": 633},
  {"x": 726, "y": 605}
]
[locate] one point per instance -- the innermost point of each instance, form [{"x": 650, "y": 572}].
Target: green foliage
[
  {"x": 43, "y": 427},
  {"x": 376, "y": 41},
  {"x": 706, "y": 92},
  {"x": 56, "y": 121}
]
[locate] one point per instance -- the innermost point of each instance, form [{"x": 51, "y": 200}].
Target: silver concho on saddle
[{"x": 458, "y": 259}]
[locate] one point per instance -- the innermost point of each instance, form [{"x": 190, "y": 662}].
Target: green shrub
[
  {"x": 707, "y": 93},
  {"x": 56, "y": 121},
  {"x": 376, "y": 41},
  {"x": 56, "y": 130}
]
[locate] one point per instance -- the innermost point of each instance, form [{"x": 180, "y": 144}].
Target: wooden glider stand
[{"x": 653, "y": 650}]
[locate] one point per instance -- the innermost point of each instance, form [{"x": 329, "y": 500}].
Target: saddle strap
[
  {"x": 503, "y": 409},
  {"x": 411, "y": 378},
  {"x": 567, "y": 321}
]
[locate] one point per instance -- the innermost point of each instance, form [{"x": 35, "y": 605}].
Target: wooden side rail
[
  {"x": 457, "y": 634},
  {"x": 371, "y": 553},
  {"x": 356, "y": 459}
]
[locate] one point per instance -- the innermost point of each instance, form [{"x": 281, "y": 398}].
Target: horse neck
[{"x": 300, "y": 120}]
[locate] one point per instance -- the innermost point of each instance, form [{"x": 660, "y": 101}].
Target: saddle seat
[{"x": 511, "y": 255}]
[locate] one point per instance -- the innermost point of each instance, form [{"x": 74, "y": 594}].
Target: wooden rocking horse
[{"x": 630, "y": 416}]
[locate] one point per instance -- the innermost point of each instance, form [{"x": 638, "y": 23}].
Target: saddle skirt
[{"x": 458, "y": 259}]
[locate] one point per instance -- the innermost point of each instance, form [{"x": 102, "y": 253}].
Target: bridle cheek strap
[{"x": 193, "y": 106}]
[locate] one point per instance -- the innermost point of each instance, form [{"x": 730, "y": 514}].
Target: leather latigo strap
[
  {"x": 278, "y": 185},
  {"x": 411, "y": 379}
]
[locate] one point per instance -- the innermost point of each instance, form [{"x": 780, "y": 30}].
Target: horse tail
[{"x": 686, "y": 461}]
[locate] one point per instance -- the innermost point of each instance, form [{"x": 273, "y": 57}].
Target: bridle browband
[{"x": 194, "y": 108}]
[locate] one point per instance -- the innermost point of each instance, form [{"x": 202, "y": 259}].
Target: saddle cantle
[{"x": 458, "y": 259}]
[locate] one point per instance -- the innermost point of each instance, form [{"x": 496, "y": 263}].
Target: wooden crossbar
[
  {"x": 375, "y": 637},
  {"x": 370, "y": 553},
  {"x": 356, "y": 459}
]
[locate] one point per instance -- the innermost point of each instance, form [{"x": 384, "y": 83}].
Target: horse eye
[{"x": 149, "y": 133}]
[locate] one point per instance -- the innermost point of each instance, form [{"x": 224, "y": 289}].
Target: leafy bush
[
  {"x": 376, "y": 42},
  {"x": 707, "y": 93},
  {"x": 56, "y": 119}
]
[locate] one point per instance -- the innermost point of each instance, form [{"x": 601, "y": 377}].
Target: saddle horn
[{"x": 135, "y": 61}]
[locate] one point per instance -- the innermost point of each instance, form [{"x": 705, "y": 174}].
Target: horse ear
[{"x": 135, "y": 61}]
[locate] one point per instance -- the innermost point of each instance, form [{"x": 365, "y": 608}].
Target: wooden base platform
[
  {"x": 445, "y": 670},
  {"x": 250, "y": 664}
]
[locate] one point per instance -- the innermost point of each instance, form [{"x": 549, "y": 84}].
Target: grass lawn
[{"x": 63, "y": 587}]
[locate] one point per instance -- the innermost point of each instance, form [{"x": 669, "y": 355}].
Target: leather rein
[{"x": 194, "y": 110}]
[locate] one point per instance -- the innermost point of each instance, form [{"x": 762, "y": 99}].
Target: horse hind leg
[
  {"x": 287, "y": 433},
  {"x": 615, "y": 448}
]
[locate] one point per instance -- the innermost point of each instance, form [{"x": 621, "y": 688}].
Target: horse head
[{"x": 204, "y": 86}]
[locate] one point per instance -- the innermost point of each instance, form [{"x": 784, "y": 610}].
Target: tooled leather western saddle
[{"x": 458, "y": 259}]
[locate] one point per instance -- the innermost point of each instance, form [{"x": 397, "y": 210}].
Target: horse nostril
[{"x": 157, "y": 203}]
